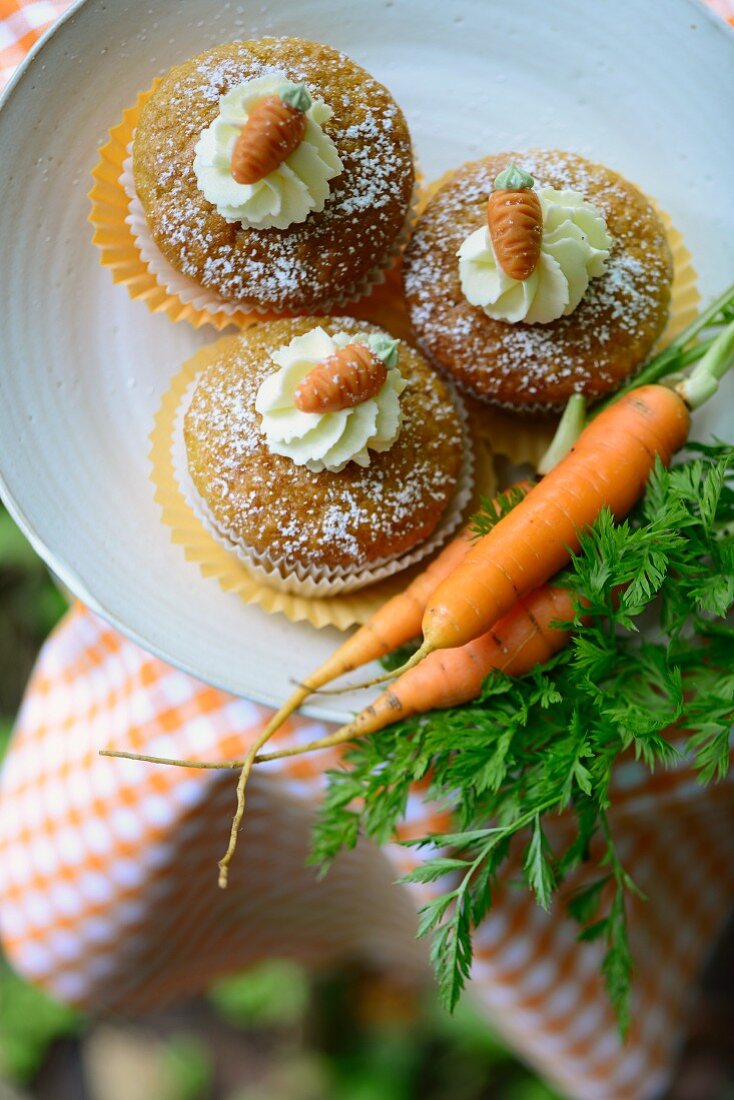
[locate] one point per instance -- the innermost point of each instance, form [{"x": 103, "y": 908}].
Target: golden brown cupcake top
[
  {"x": 265, "y": 502},
  {"x": 331, "y": 254},
  {"x": 591, "y": 350}
]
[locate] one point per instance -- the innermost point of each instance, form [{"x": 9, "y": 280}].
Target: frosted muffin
[
  {"x": 323, "y": 447},
  {"x": 276, "y": 173},
  {"x": 533, "y": 276}
]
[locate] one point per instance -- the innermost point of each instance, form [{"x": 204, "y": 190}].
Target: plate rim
[
  {"x": 724, "y": 25},
  {"x": 67, "y": 574}
]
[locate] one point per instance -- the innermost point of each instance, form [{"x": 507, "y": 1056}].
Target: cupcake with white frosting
[
  {"x": 293, "y": 182},
  {"x": 326, "y": 453},
  {"x": 533, "y": 276},
  {"x": 273, "y": 176}
]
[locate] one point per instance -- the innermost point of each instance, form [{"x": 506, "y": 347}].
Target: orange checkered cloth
[{"x": 108, "y": 893}]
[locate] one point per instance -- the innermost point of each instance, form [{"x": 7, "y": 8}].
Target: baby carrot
[
  {"x": 609, "y": 465},
  {"x": 524, "y": 638}
]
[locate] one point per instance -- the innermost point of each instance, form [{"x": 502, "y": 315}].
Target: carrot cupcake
[
  {"x": 276, "y": 173},
  {"x": 533, "y": 276},
  {"x": 323, "y": 449}
]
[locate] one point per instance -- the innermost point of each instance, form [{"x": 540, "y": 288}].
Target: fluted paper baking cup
[
  {"x": 525, "y": 438},
  {"x": 219, "y": 560},
  {"x": 113, "y": 236},
  {"x": 127, "y": 247},
  {"x": 310, "y": 581}
]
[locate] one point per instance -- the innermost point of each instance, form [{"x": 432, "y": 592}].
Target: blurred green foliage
[
  {"x": 30, "y": 606},
  {"x": 29, "y": 1022},
  {"x": 317, "y": 1047},
  {"x": 274, "y": 994},
  {"x": 360, "y": 1040},
  {"x": 188, "y": 1067}
]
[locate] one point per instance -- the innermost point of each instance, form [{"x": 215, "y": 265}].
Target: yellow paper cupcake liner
[
  {"x": 526, "y": 439},
  {"x": 115, "y": 240},
  {"x": 119, "y": 250},
  {"x": 218, "y": 563}
]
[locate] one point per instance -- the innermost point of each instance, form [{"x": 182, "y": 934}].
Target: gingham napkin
[{"x": 108, "y": 893}]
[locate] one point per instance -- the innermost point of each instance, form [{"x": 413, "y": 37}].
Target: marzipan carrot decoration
[
  {"x": 515, "y": 223},
  {"x": 275, "y": 128},
  {"x": 351, "y": 375},
  {"x": 526, "y": 637}
]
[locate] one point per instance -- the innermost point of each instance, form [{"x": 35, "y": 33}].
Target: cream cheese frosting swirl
[
  {"x": 286, "y": 196},
  {"x": 328, "y": 441},
  {"x": 574, "y": 249}
]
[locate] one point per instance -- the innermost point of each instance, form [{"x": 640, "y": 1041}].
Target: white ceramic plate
[{"x": 646, "y": 88}]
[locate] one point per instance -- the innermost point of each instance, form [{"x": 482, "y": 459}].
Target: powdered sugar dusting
[
  {"x": 594, "y": 348},
  {"x": 326, "y": 520},
  {"x": 331, "y": 254}
]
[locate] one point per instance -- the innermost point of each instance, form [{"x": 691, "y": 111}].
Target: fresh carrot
[
  {"x": 608, "y": 466},
  {"x": 524, "y": 638}
]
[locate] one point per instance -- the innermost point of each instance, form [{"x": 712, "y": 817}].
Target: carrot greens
[
  {"x": 491, "y": 511},
  {"x": 546, "y": 744},
  {"x": 689, "y": 346}
]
